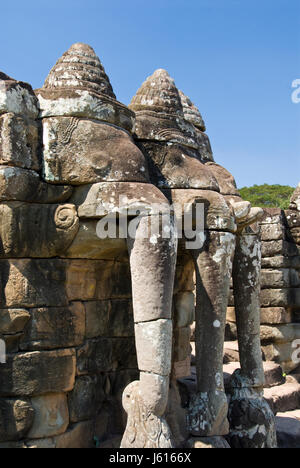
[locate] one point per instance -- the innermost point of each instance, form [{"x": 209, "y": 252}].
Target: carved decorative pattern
[
  {"x": 66, "y": 134},
  {"x": 144, "y": 429}
]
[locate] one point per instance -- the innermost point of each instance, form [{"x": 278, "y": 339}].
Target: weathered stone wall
[
  {"x": 280, "y": 284},
  {"x": 66, "y": 307},
  {"x": 68, "y": 327}
]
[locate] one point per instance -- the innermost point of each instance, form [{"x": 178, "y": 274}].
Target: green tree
[{"x": 268, "y": 196}]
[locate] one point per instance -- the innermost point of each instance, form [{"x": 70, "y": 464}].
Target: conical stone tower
[
  {"x": 167, "y": 138},
  {"x": 194, "y": 117},
  {"x": 158, "y": 94},
  {"x": 86, "y": 131},
  {"x": 191, "y": 113},
  {"x": 78, "y": 86},
  {"x": 80, "y": 68}
]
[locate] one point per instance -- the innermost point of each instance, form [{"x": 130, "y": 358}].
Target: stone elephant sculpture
[
  {"x": 170, "y": 132},
  {"x": 77, "y": 139},
  {"x": 72, "y": 158}
]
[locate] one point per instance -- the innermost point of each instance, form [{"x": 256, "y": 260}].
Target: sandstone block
[
  {"x": 154, "y": 390},
  {"x": 152, "y": 266},
  {"x": 288, "y": 429},
  {"x": 230, "y": 314},
  {"x": 51, "y": 416},
  {"x": 272, "y": 232},
  {"x": 279, "y": 247},
  {"x": 153, "y": 340},
  {"x": 275, "y": 315},
  {"x": 109, "y": 318},
  {"x": 18, "y": 142},
  {"x": 32, "y": 283},
  {"x": 38, "y": 373},
  {"x": 273, "y": 374},
  {"x": 280, "y": 261},
  {"x": 86, "y": 398},
  {"x": 273, "y": 216},
  {"x": 16, "y": 418},
  {"x": 85, "y": 104},
  {"x": 231, "y": 352},
  {"x": 288, "y": 366},
  {"x": 17, "y": 97},
  {"x": 182, "y": 347},
  {"x": 95, "y": 356},
  {"x": 124, "y": 354},
  {"x": 98, "y": 280},
  {"x": 97, "y": 318},
  {"x": 55, "y": 327},
  {"x": 280, "y": 333},
  {"x": 280, "y": 353},
  {"x": 283, "y": 398},
  {"x": 80, "y": 151},
  {"x": 13, "y": 320},
  {"x": 182, "y": 369},
  {"x": 283, "y": 278},
  {"x": 97, "y": 200},
  {"x": 17, "y": 184},
  {"x": 88, "y": 245},
  {"x": 184, "y": 278},
  {"x": 289, "y": 297},
  {"x": 184, "y": 309},
  {"x": 36, "y": 230}
]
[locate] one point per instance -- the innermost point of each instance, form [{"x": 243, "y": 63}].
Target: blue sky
[{"x": 236, "y": 59}]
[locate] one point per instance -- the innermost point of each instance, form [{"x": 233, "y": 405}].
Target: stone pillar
[
  {"x": 152, "y": 261},
  {"x": 252, "y": 423},
  {"x": 213, "y": 263},
  {"x": 246, "y": 289}
]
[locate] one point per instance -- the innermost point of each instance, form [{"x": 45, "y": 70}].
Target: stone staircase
[{"x": 282, "y": 393}]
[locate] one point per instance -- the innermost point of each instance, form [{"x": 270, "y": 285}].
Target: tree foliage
[{"x": 268, "y": 196}]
